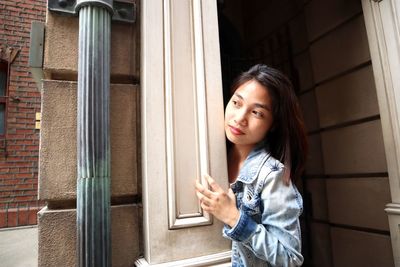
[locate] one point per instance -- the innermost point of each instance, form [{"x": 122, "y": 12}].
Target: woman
[{"x": 261, "y": 210}]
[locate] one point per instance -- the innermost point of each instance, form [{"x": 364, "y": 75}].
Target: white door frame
[
  {"x": 182, "y": 129},
  {"x": 382, "y": 20}
]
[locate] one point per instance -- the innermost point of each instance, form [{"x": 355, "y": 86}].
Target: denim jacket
[{"x": 268, "y": 230}]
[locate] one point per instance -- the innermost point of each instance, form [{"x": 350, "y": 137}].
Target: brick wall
[{"x": 19, "y": 149}]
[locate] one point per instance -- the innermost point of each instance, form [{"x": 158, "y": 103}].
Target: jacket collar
[{"x": 249, "y": 171}]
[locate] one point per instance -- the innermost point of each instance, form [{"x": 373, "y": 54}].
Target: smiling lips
[{"x": 235, "y": 130}]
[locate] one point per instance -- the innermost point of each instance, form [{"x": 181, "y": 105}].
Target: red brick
[
  {"x": 30, "y": 148},
  {"x": 25, "y": 186},
  {"x": 19, "y": 217},
  {"x": 35, "y": 94},
  {"x": 25, "y": 198},
  {"x": 10, "y": 181},
  {"x": 24, "y": 131},
  {"x": 23, "y": 153},
  {"x": 24, "y": 175},
  {"x": 4, "y": 195},
  {"x": 15, "y": 136},
  {"x": 21, "y": 164},
  {"x": 9, "y": 148},
  {"x": 31, "y": 180},
  {"x": 24, "y": 142}
]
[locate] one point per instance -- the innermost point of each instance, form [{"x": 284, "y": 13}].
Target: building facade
[
  {"x": 343, "y": 59},
  {"x": 19, "y": 114}
]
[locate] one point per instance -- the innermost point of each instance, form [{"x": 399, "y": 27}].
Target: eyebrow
[{"x": 256, "y": 104}]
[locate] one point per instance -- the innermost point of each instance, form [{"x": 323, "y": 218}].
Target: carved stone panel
[{"x": 185, "y": 111}]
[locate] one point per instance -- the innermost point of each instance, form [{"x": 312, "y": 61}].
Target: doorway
[{"x": 322, "y": 46}]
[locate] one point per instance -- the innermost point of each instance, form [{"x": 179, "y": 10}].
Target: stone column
[{"x": 93, "y": 143}]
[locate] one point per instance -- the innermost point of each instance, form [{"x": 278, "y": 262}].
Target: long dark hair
[{"x": 286, "y": 140}]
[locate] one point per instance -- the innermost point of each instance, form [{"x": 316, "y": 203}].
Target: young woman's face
[{"x": 248, "y": 115}]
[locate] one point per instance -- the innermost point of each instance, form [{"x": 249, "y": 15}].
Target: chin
[
  {"x": 232, "y": 139},
  {"x": 236, "y": 141}
]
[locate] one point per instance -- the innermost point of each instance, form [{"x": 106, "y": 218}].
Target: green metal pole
[{"x": 93, "y": 134}]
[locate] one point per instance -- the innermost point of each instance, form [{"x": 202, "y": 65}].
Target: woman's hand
[{"x": 217, "y": 202}]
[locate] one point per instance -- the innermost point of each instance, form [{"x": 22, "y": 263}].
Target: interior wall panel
[
  {"x": 347, "y": 98},
  {"x": 323, "y": 16},
  {"x": 354, "y": 149},
  {"x": 298, "y": 33},
  {"x": 303, "y": 65},
  {"x": 270, "y": 14},
  {"x": 308, "y": 103},
  {"x": 352, "y": 248},
  {"x": 315, "y": 160},
  {"x": 318, "y": 198},
  {"x": 340, "y": 50},
  {"x": 359, "y": 202},
  {"x": 321, "y": 252}
]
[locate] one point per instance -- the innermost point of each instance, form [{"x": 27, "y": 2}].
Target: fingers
[
  {"x": 203, "y": 199},
  {"x": 205, "y": 207},
  {"x": 208, "y": 197},
  {"x": 213, "y": 185},
  {"x": 200, "y": 188},
  {"x": 205, "y": 202}
]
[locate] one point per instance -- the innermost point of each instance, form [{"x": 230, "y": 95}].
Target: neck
[
  {"x": 237, "y": 156},
  {"x": 241, "y": 152}
]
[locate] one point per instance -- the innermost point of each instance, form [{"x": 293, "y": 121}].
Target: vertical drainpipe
[{"x": 93, "y": 133}]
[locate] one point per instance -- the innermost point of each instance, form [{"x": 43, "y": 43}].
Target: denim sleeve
[{"x": 277, "y": 239}]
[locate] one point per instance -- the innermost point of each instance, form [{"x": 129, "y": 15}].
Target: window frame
[{"x": 4, "y": 66}]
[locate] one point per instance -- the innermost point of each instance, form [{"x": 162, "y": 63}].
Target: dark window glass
[
  {"x": 3, "y": 96},
  {"x": 2, "y": 122},
  {"x": 3, "y": 83}
]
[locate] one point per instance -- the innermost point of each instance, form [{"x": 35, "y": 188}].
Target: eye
[
  {"x": 258, "y": 114},
  {"x": 235, "y": 103}
]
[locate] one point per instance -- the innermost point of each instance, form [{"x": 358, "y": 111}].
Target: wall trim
[{"x": 219, "y": 259}]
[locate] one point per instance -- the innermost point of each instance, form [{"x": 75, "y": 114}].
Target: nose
[{"x": 241, "y": 118}]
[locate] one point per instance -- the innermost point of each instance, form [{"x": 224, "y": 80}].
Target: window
[{"x": 3, "y": 96}]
